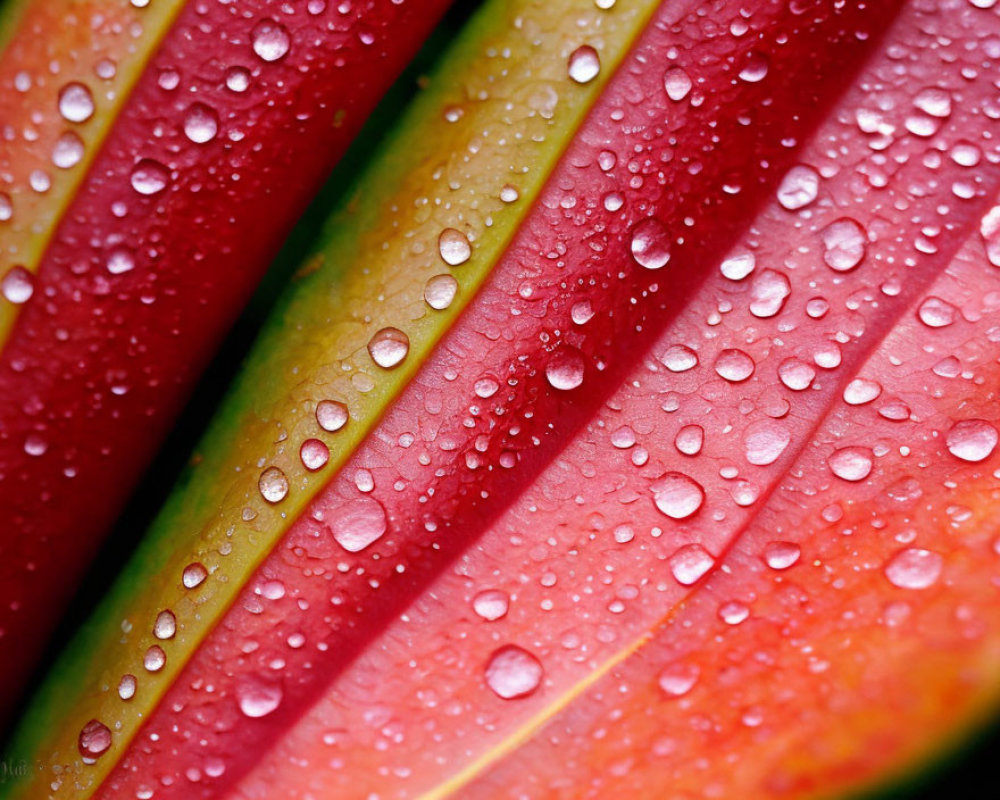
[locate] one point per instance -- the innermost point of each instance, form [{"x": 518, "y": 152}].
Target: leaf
[
  {"x": 696, "y": 492},
  {"x": 167, "y": 148}
]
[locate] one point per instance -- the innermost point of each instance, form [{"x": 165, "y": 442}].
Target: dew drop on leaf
[
  {"x": 690, "y": 439},
  {"x": 734, "y": 365},
  {"x": 358, "y": 523},
  {"x": 738, "y": 265},
  {"x": 936, "y": 313},
  {"x": 689, "y": 563},
  {"x": 565, "y": 369},
  {"x": 795, "y": 374},
  {"x": 798, "y": 188},
  {"x": 201, "y": 124},
  {"x": 257, "y": 699},
  {"x": 127, "y": 686},
  {"x": 914, "y": 568},
  {"x": 149, "y": 177},
  {"x": 649, "y": 244},
  {"x": 677, "y": 83},
  {"x": 270, "y": 40},
  {"x": 68, "y": 150},
  {"x": 94, "y": 740},
  {"x": 314, "y": 454},
  {"x": 389, "y": 347},
  {"x": 454, "y": 247},
  {"x": 781, "y": 555},
  {"x": 273, "y": 485},
  {"x": 971, "y": 440},
  {"x": 17, "y": 285},
  {"x": 676, "y": 680},
  {"x": 165, "y": 626},
  {"x": 513, "y": 672},
  {"x": 491, "y": 604},
  {"x": 677, "y": 496},
  {"x": 584, "y": 64},
  {"x": 844, "y": 243},
  {"x": 861, "y": 391},
  {"x": 851, "y": 463},
  {"x": 764, "y": 442},
  {"x": 679, "y": 358},
  {"x": 76, "y": 103},
  {"x": 331, "y": 415},
  {"x": 154, "y": 659},
  {"x": 439, "y": 291}
]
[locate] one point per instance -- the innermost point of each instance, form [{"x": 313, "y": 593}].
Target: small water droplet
[
  {"x": 733, "y": 612},
  {"x": 68, "y": 150},
  {"x": 513, "y": 672},
  {"x": 844, "y": 243},
  {"x": 565, "y": 370},
  {"x": 331, "y": 415},
  {"x": 509, "y": 193},
  {"x": 649, "y": 244},
  {"x": 972, "y": 440},
  {"x": 165, "y": 626},
  {"x": 755, "y": 68},
  {"x": 273, "y": 485},
  {"x": 491, "y": 604},
  {"x": 201, "y": 123},
  {"x": 127, "y": 686},
  {"x": 76, "y": 103},
  {"x": 237, "y": 79},
  {"x": 782, "y": 555},
  {"x": 154, "y": 659},
  {"x": 120, "y": 261},
  {"x": 689, "y": 563},
  {"x": 677, "y": 84},
  {"x": 194, "y": 575},
  {"x": 798, "y": 188},
  {"x": 584, "y": 64},
  {"x": 314, "y": 454},
  {"x": 677, "y": 679},
  {"x": 17, "y": 285},
  {"x": 861, "y": 391},
  {"x": 851, "y": 463},
  {"x": 454, "y": 247},
  {"x": 738, "y": 265},
  {"x": 270, "y": 40},
  {"x": 359, "y": 523},
  {"x": 677, "y": 496},
  {"x": 389, "y": 347},
  {"x": 768, "y": 294},
  {"x": 689, "y": 439},
  {"x": 795, "y": 374},
  {"x": 149, "y": 177},
  {"x": 734, "y": 365},
  {"x": 440, "y": 291},
  {"x": 94, "y": 740},
  {"x": 914, "y": 568},
  {"x": 679, "y": 358},
  {"x": 257, "y": 699}
]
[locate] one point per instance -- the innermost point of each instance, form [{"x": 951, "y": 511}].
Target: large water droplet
[
  {"x": 491, "y": 604},
  {"x": 237, "y": 79},
  {"x": 677, "y": 83},
  {"x": 165, "y": 626},
  {"x": 781, "y": 555},
  {"x": 844, "y": 243},
  {"x": 768, "y": 294},
  {"x": 914, "y": 568},
  {"x": 358, "y": 523},
  {"x": 273, "y": 485},
  {"x": 68, "y": 150},
  {"x": 934, "y": 101},
  {"x": 972, "y": 440},
  {"x": 677, "y": 679},
  {"x": 689, "y": 563},
  {"x": 94, "y": 740},
  {"x": 454, "y": 247},
  {"x": 565, "y": 369},
  {"x": 76, "y": 103},
  {"x": 584, "y": 64},
  {"x": 154, "y": 659},
  {"x": 149, "y": 177},
  {"x": 795, "y": 374},
  {"x": 270, "y": 39},
  {"x": 194, "y": 575},
  {"x": 764, "y": 442},
  {"x": 513, "y": 672},
  {"x": 861, "y": 391},
  {"x": 936, "y": 313},
  {"x": 798, "y": 188},
  {"x": 650, "y": 244},
  {"x": 989, "y": 229},
  {"x": 738, "y": 265},
  {"x": 754, "y": 68},
  {"x": 440, "y": 291},
  {"x": 127, "y": 686},
  {"x": 257, "y": 699},
  {"x": 17, "y": 285},
  {"x": 734, "y": 365},
  {"x": 389, "y": 347},
  {"x": 314, "y": 454},
  {"x": 851, "y": 463},
  {"x": 331, "y": 415},
  {"x": 677, "y": 496},
  {"x": 679, "y": 358},
  {"x": 201, "y": 123},
  {"x": 689, "y": 439}
]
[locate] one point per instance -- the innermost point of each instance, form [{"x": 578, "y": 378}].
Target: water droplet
[
  {"x": 781, "y": 555},
  {"x": 154, "y": 659},
  {"x": 989, "y": 229},
  {"x": 17, "y": 285},
  {"x": 738, "y": 265},
  {"x": 94, "y": 741},
  {"x": 677, "y": 680},
  {"x": 270, "y": 40},
  {"x": 679, "y": 358},
  {"x": 582, "y": 312},
  {"x": 795, "y": 374},
  {"x": 677, "y": 496},
  {"x": 936, "y": 313},
  {"x": 439, "y": 291},
  {"x": 934, "y": 101},
  {"x": 677, "y": 83},
  {"x": 127, "y": 686},
  {"x": 165, "y": 626},
  {"x": 194, "y": 575},
  {"x": 755, "y": 68},
  {"x": 971, "y": 440},
  {"x": 689, "y": 563},
  {"x": 513, "y": 672},
  {"x": 68, "y": 150},
  {"x": 454, "y": 247},
  {"x": 6, "y": 207},
  {"x": 584, "y": 64},
  {"x": 851, "y": 463},
  {"x": 565, "y": 369},
  {"x": 649, "y": 244},
  {"x": 331, "y": 415},
  {"x": 733, "y": 612},
  {"x": 76, "y": 103},
  {"x": 764, "y": 442},
  {"x": 798, "y": 188},
  {"x": 844, "y": 242},
  {"x": 359, "y": 523},
  {"x": 914, "y": 568},
  {"x": 768, "y": 294},
  {"x": 509, "y": 194},
  {"x": 257, "y": 699},
  {"x": 149, "y": 177},
  {"x": 201, "y": 123},
  {"x": 734, "y": 365},
  {"x": 861, "y": 391},
  {"x": 491, "y": 604},
  {"x": 314, "y": 454},
  {"x": 120, "y": 261},
  {"x": 689, "y": 439},
  {"x": 237, "y": 79},
  {"x": 273, "y": 485},
  {"x": 389, "y": 347}
]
